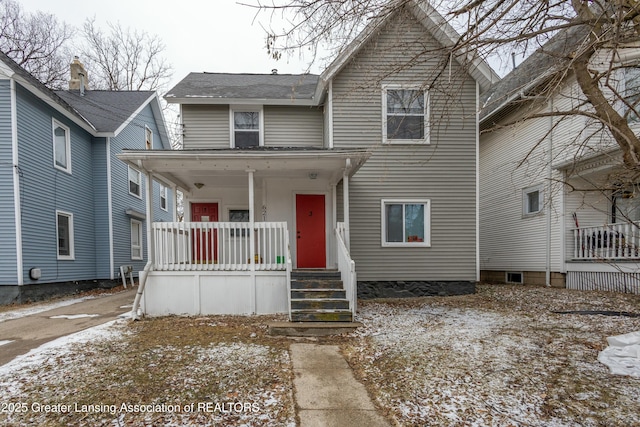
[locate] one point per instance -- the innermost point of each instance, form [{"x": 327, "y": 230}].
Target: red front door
[
  {"x": 205, "y": 244},
  {"x": 310, "y": 233}
]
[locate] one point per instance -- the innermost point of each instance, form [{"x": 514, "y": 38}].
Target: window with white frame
[
  {"x": 148, "y": 138},
  {"x": 405, "y": 115},
  {"x": 163, "y": 197},
  {"x": 61, "y": 146},
  {"x": 632, "y": 93},
  {"x": 238, "y": 215},
  {"x": 246, "y": 128},
  {"x": 136, "y": 239},
  {"x": 532, "y": 200},
  {"x": 135, "y": 182},
  {"x": 406, "y": 222},
  {"x": 64, "y": 232}
]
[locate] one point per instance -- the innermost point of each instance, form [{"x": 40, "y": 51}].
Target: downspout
[
  {"x": 549, "y": 198},
  {"x": 16, "y": 183}
]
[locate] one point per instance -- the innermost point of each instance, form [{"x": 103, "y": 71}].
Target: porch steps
[{"x": 318, "y": 296}]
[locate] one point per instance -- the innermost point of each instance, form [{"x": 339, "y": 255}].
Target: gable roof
[
  {"x": 542, "y": 65},
  {"x": 272, "y": 89},
  {"x": 437, "y": 26},
  {"x": 101, "y": 113}
]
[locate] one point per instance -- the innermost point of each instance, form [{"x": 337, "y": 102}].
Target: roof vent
[{"x": 274, "y": 71}]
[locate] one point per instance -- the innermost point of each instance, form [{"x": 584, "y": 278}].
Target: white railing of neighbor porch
[
  {"x": 219, "y": 246},
  {"x": 613, "y": 241},
  {"x": 347, "y": 267}
]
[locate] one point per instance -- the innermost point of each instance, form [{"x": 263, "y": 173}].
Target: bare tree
[
  {"x": 494, "y": 29},
  {"x": 37, "y": 42},
  {"x": 124, "y": 59}
]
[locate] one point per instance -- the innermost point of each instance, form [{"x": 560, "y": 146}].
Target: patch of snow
[
  {"x": 5, "y": 342},
  {"x": 40, "y": 308},
  {"x": 73, "y": 316},
  {"x": 623, "y": 354}
]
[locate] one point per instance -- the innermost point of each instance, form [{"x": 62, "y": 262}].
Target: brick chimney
[{"x": 79, "y": 78}]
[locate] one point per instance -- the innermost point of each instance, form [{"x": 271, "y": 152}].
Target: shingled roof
[
  {"x": 224, "y": 86},
  {"x": 106, "y": 110}
]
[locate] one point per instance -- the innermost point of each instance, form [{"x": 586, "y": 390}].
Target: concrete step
[
  {"x": 315, "y": 274},
  {"x": 318, "y": 293},
  {"x": 319, "y": 304},
  {"x": 316, "y": 284},
  {"x": 321, "y": 316},
  {"x": 311, "y": 329}
]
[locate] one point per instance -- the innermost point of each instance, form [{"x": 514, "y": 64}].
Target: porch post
[
  {"x": 150, "y": 239},
  {"x": 252, "y": 241},
  {"x": 345, "y": 205}
]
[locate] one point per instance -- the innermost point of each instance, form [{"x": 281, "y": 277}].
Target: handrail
[
  {"x": 347, "y": 268},
  {"x": 289, "y": 270},
  {"x": 610, "y": 241}
]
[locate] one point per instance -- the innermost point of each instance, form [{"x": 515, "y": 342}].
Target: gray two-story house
[{"x": 369, "y": 169}]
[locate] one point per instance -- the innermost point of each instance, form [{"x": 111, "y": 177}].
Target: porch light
[
  {"x": 198, "y": 185},
  {"x": 313, "y": 175}
]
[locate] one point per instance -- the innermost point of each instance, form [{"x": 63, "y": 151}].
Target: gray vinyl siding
[
  {"x": 443, "y": 172},
  {"x": 101, "y": 207},
  {"x": 205, "y": 126},
  {"x": 46, "y": 189},
  {"x": 132, "y": 137},
  {"x": 293, "y": 126},
  {"x": 8, "y": 258}
]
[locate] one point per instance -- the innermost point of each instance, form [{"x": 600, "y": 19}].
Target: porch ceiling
[{"x": 229, "y": 168}]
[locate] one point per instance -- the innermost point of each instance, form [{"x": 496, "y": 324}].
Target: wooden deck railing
[
  {"x": 347, "y": 267},
  {"x": 219, "y": 246},
  {"x": 612, "y": 241}
]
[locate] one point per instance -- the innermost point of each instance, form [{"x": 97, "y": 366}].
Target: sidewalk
[
  {"x": 326, "y": 392},
  {"x": 26, "y": 333}
]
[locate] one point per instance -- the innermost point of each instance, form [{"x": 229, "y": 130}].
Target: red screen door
[
  {"x": 205, "y": 245},
  {"x": 310, "y": 233}
]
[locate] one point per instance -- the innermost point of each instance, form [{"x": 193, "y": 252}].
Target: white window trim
[
  {"x": 632, "y": 122},
  {"x": 148, "y": 131},
  {"x": 54, "y": 125},
  {"x": 139, "y": 196},
  {"x": 140, "y": 234},
  {"x": 72, "y": 254},
  {"x": 236, "y": 208},
  {"x": 163, "y": 195},
  {"x": 427, "y": 223},
  {"x": 246, "y": 109},
  {"x": 426, "y": 139},
  {"x": 525, "y": 200}
]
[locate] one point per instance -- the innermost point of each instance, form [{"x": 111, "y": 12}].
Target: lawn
[{"x": 500, "y": 357}]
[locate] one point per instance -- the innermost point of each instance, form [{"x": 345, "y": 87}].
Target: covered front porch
[{"x": 236, "y": 248}]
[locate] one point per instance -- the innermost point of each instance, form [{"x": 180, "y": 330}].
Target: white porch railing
[
  {"x": 219, "y": 246},
  {"x": 347, "y": 267},
  {"x": 613, "y": 241}
]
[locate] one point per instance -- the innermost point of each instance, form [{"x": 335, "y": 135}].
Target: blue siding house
[{"x": 71, "y": 213}]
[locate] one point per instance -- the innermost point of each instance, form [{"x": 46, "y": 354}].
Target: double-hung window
[
  {"x": 136, "y": 239},
  {"x": 406, "y": 222},
  {"x": 405, "y": 115},
  {"x": 148, "y": 138},
  {"x": 246, "y": 128},
  {"x": 61, "y": 146},
  {"x": 163, "y": 197},
  {"x": 64, "y": 231},
  {"x": 632, "y": 93},
  {"x": 532, "y": 200},
  {"x": 135, "y": 181}
]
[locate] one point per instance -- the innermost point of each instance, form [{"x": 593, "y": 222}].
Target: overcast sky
[{"x": 200, "y": 35}]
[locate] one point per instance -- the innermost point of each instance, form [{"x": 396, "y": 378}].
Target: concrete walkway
[
  {"x": 326, "y": 392},
  {"x": 26, "y": 333}
]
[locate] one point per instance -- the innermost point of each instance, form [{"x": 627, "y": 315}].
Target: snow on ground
[
  {"x": 39, "y": 308},
  {"x": 501, "y": 359}
]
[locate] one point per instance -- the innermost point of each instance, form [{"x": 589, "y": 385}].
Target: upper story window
[
  {"x": 61, "y": 146},
  {"x": 406, "y": 222},
  {"x": 246, "y": 128},
  {"x": 405, "y": 114},
  {"x": 163, "y": 197},
  {"x": 135, "y": 182},
  {"x": 148, "y": 138},
  {"x": 632, "y": 92}
]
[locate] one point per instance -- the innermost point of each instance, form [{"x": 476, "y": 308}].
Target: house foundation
[
  {"x": 14, "y": 294},
  {"x": 411, "y": 289}
]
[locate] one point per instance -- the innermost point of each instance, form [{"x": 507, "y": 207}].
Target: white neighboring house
[{"x": 551, "y": 208}]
